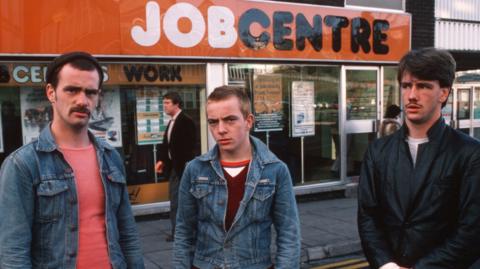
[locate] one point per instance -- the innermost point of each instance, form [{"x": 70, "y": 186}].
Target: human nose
[
  {"x": 82, "y": 98},
  {"x": 412, "y": 94},
  {"x": 221, "y": 127}
]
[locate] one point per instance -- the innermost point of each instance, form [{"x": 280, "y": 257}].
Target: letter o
[{"x": 170, "y": 25}]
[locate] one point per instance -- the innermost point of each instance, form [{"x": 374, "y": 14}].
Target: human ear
[{"x": 50, "y": 91}]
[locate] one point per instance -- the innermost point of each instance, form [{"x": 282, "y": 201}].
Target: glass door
[
  {"x": 361, "y": 114},
  {"x": 467, "y": 103}
]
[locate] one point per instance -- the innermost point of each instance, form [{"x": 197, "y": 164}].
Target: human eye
[
  {"x": 423, "y": 85},
  {"x": 71, "y": 90},
  {"x": 405, "y": 85},
  {"x": 91, "y": 92},
  {"x": 231, "y": 119},
  {"x": 212, "y": 122}
]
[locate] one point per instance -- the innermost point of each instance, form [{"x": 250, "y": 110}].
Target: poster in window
[
  {"x": 303, "y": 109},
  {"x": 151, "y": 122},
  {"x": 105, "y": 119},
  {"x": 267, "y": 103},
  {"x": 1, "y": 130},
  {"x": 36, "y": 112}
]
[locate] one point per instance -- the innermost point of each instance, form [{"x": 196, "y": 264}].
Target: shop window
[
  {"x": 129, "y": 115},
  {"x": 391, "y": 4},
  {"x": 291, "y": 101}
]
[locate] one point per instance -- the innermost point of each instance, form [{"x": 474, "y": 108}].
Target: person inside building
[
  {"x": 232, "y": 196},
  {"x": 419, "y": 189},
  {"x": 391, "y": 122},
  {"x": 176, "y": 150},
  {"x": 63, "y": 197}
]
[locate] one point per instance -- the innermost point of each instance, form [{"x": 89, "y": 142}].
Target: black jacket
[
  {"x": 427, "y": 216},
  {"x": 181, "y": 146}
]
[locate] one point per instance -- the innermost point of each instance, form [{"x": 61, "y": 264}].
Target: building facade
[{"x": 320, "y": 74}]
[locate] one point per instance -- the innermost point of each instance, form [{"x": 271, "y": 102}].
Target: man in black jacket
[
  {"x": 176, "y": 150},
  {"x": 419, "y": 191}
]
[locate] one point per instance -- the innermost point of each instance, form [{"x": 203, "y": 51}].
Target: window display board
[
  {"x": 151, "y": 122},
  {"x": 267, "y": 103},
  {"x": 303, "y": 109},
  {"x": 105, "y": 120},
  {"x": 36, "y": 112}
]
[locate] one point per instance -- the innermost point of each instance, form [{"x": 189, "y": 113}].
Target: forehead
[
  {"x": 75, "y": 76},
  {"x": 223, "y": 108}
]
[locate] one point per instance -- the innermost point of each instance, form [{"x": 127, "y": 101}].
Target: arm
[
  {"x": 17, "y": 211},
  {"x": 185, "y": 230},
  {"x": 460, "y": 249},
  {"x": 287, "y": 223},
  {"x": 127, "y": 228},
  {"x": 370, "y": 226}
]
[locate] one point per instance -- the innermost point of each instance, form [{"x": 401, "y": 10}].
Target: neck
[
  {"x": 69, "y": 137},
  {"x": 240, "y": 155},
  {"x": 420, "y": 130}
]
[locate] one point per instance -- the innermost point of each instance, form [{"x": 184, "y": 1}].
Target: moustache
[
  {"x": 80, "y": 110},
  {"x": 412, "y": 105}
]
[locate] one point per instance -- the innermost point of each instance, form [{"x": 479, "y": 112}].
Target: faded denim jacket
[
  {"x": 39, "y": 208},
  {"x": 200, "y": 237}
]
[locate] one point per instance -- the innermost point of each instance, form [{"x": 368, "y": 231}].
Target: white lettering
[
  {"x": 151, "y": 35},
  {"x": 170, "y": 25},
  {"x": 35, "y": 74},
  {"x": 221, "y": 30},
  {"x": 20, "y": 74}
]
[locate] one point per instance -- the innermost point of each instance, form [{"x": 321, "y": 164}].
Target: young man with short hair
[
  {"x": 230, "y": 197},
  {"x": 63, "y": 198},
  {"x": 419, "y": 190}
]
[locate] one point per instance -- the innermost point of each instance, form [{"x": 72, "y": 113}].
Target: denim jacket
[
  {"x": 39, "y": 208},
  {"x": 201, "y": 238}
]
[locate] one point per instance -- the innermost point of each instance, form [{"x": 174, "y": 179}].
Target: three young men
[
  {"x": 230, "y": 197},
  {"x": 419, "y": 190},
  {"x": 63, "y": 197}
]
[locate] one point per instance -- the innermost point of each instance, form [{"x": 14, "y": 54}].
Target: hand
[{"x": 159, "y": 167}]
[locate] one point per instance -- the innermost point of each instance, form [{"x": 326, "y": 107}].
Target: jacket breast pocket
[
  {"x": 261, "y": 202},
  {"x": 51, "y": 195},
  {"x": 201, "y": 190},
  {"x": 116, "y": 182}
]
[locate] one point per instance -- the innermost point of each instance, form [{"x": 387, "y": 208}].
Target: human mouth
[
  {"x": 80, "y": 112},
  {"x": 224, "y": 141}
]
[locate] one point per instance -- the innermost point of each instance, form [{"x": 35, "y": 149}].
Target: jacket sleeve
[
  {"x": 185, "y": 229},
  {"x": 461, "y": 249},
  {"x": 16, "y": 214},
  {"x": 127, "y": 229},
  {"x": 370, "y": 226},
  {"x": 287, "y": 223}
]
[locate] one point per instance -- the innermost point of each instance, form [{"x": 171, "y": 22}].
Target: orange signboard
[{"x": 199, "y": 29}]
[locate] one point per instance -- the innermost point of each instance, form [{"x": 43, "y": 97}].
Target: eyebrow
[{"x": 229, "y": 117}]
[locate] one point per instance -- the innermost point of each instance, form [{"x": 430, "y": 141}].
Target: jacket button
[
  {"x": 221, "y": 202},
  {"x": 72, "y": 254},
  {"x": 73, "y": 228}
]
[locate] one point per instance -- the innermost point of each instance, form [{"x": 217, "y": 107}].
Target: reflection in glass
[
  {"x": 356, "y": 147},
  {"x": 447, "y": 110},
  {"x": 463, "y": 104},
  {"x": 476, "y": 103},
  {"x": 361, "y": 94},
  {"x": 391, "y": 93},
  {"x": 476, "y": 133},
  {"x": 270, "y": 88}
]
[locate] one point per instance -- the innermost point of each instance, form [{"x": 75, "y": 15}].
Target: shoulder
[{"x": 461, "y": 142}]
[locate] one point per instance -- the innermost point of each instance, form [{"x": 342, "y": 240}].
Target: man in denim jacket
[
  {"x": 230, "y": 197},
  {"x": 63, "y": 197}
]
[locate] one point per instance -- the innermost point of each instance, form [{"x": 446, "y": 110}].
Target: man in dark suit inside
[{"x": 176, "y": 150}]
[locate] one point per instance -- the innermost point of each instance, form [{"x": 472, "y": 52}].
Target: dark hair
[
  {"x": 225, "y": 92},
  {"x": 392, "y": 111},
  {"x": 429, "y": 64},
  {"x": 175, "y": 97},
  {"x": 77, "y": 59}
]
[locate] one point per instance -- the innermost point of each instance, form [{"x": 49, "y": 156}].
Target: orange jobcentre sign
[{"x": 199, "y": 29}]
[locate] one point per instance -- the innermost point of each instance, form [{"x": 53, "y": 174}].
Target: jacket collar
[
  {"x": 260, "y": 153},
  {"x": 434, "y": 133},
  {"x": 47, "y": 143}
]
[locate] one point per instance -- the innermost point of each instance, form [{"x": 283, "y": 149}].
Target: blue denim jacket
[
  {"x": 200, "y": 236},
  {"x": 39, "y": 208}
]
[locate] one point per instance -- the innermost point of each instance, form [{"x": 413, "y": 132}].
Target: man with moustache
[
  {"x": 63, "y": 197},
  {"x": 230, "y": 197},
  {"x": 419, "y": 190}
]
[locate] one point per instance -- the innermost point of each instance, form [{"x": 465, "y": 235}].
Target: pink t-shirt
[{"x": 92, "y": 240}]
